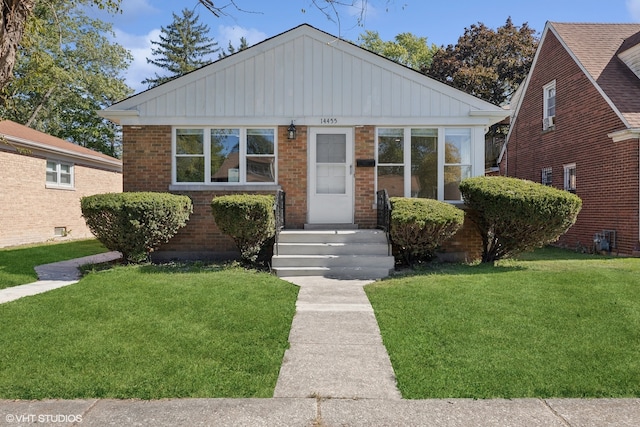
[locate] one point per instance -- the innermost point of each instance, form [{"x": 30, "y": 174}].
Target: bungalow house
[
  {"x": 359, "y": 123},
  {"x": 44, "y": 178},
  {"x": 576, "y": 126}
]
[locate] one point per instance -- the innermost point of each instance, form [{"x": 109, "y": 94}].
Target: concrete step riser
[
  {"x": 332, "y": 249},
  {"x": 359, "y": 236},
  {"x": 358, "y": 254},
  {"x": 332, "y": 261},
  {"x": 335, "y": 272}
]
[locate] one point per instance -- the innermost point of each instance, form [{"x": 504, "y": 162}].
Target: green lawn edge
[{"x": 551, "y": 324}]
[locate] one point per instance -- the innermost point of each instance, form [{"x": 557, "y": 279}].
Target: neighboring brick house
[
  {"x": 576, "y": 126},
  {"x": 362, "y": 123},
  {"x": 43, "y": 179}
]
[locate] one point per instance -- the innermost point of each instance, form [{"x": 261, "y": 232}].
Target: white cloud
[
  {"x": 140, "y": 48},
  {"x": 134, "y": 10},
  {"x": 233, "y": 34},
  {"x": 633, "y": 6}
]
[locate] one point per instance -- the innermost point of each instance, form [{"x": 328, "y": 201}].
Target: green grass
[
  {"x": 148, "y": 332},
  {"x": 17, "y": 263},
  {"x": 552, "y": 324}
]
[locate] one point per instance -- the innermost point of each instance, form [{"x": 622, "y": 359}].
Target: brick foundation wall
[
  {"x": 465, "y": 245},
  {"x": 30, "y": 211},
  {"x": 607, "y": 172}
]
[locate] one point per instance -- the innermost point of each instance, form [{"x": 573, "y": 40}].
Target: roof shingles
[{"x": 12, "y": 130}]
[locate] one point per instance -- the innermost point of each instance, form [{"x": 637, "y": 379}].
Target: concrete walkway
[
  {"x": 335, "y": 373},
  {"x": 55, "y": 275},
  {"x": 335, "y": 346}
]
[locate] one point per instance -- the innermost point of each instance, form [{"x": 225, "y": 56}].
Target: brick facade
[
  {"x": 607, "y": 172},
  {"x": 465, "y": 245},
  {"x": 30, "y": 211},
  {"x": 147, "y": 165}
]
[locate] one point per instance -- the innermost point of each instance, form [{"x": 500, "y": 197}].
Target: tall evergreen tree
[
  {"x": 231, "y": 49},
  {"x": 183, "y": 47}
]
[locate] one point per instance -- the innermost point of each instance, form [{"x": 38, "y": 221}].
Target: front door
[{"x": 331, "y": 176}]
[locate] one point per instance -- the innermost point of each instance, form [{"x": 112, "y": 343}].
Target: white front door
[{"x": 331, "y": 176}]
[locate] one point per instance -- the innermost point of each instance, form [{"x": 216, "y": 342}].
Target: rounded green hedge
[
  {"x": 248, "y": 219},
  {"x": 419, "y": 226},
  {"x": 515, "y": 215},
  {"x": 135, "y": 223}
]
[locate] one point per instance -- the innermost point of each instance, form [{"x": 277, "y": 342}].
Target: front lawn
[
  {"x": 17, "y": 263},
  {"x": 552, "y": 324},
  {"x": 148, "y": 332}
]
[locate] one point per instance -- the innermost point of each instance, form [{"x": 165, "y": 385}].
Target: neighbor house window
[
  {"x": 59, "y": 174},
  {"x": 423, "y": 162},
  {"x": 225, "y": 155},
  {"x": 547, "y": 177},
  {"x": 570, "y": 177},
  {"x": 549, "y": 112}
]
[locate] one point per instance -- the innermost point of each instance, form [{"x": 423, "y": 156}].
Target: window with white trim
[
  {"x": 570, "y": 177},
  {"x": 423, "y": 162},
  {"x": 549, "y": 112},
  {"x": 457, "y": 161},
  {"x": 59, "y": 174},
  {"x": 225, "y": 155},
  {"x": 547, "y": 176}
]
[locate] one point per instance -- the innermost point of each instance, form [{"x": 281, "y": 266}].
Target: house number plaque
[{"x": 329, "y": 121}]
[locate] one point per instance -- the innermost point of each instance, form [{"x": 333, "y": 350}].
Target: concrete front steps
[{"x": 335, "y": 253}]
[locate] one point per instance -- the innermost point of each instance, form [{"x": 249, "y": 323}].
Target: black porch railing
[
  {"x": 384, "y": 212},
  {"x": 279, "y": 213}
]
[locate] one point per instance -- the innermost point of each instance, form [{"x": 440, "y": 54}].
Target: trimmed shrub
[
  {"x": 248, "y": 219},
  {"x": 515, "y": 215},
  {"x": 135, "y": 223},
  {"x": 419, "y": 226}
]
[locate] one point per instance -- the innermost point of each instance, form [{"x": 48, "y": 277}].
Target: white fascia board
[
  {"x": 119, "y": 116},
  {"x": 492, "y": 116}
]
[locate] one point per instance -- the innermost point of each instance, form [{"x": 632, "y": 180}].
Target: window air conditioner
[{"x": 547, "y": 123}]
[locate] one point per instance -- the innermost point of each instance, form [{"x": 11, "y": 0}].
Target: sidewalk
[
  {"x": 335, "y": 373},
  {"x": 55, "y": 275},
  {"x": 312, "y": 412}
]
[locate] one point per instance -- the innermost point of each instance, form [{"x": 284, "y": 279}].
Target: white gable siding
[{"x": 303, "y": 75}]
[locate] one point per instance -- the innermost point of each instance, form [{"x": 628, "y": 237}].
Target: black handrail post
[
  {"x": 279, "y": 214},
  {"x": 384, "y": 213}
]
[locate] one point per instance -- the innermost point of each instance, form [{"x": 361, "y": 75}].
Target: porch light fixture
[{"x": 291, "y": 131}]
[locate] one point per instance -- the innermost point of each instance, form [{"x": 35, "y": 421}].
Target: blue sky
[{"x": 442, "y": 22}]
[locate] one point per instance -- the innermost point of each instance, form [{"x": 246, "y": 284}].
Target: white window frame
[
  {"x": 570, "y": 184},
  {"x": 207, "y": 156},
  {"x": 546, "y": 177},
  {"x": 441, "y": 157},
  {"x": 58, "y": 184},
  {"x": 548, "y": 89}
]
